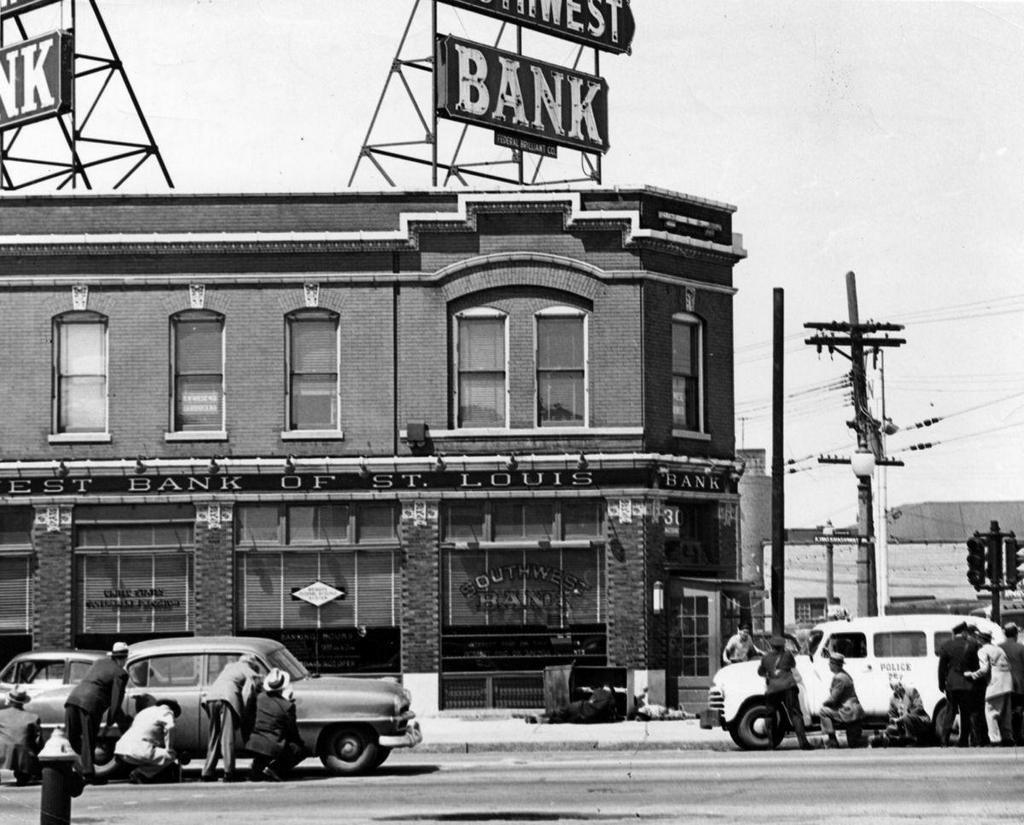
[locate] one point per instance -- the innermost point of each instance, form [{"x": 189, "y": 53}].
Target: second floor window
[
  {"x": 313, "y": 371},
  {"x": 481, "y": 368},
  {"x": 687, "y": 389},
  {"x": 561, "y": 369},
  {"x": 198, "y": 353},
  {"x": 81, "y": 373}
]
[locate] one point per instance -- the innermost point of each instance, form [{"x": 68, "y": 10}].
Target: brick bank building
[{"x": 447, "y": 437}]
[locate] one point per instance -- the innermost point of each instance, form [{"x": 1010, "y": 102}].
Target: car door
[
  {"x": 171, "y": 676},
  {"x": 861, "y": 665}
]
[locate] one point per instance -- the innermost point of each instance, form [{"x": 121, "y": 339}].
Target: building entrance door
[{"x": 695, "y": 641}]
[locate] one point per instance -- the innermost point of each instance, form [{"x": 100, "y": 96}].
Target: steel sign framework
[
  {"x": 522, "y": 156},
  {"x": 62, "y": 142}
]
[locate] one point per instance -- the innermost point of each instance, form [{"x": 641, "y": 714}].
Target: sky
[{"x": 882, "y": 138}]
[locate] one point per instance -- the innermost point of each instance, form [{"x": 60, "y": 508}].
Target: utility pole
[
  {"x": 778, "y": 591},
  {"x": 859, "y": 339}
]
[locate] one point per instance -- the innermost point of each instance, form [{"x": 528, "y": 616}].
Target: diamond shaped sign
[{"x": 318, "y": 593}]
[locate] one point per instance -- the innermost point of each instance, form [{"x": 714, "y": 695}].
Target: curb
[{"x": 571, "y": 745}]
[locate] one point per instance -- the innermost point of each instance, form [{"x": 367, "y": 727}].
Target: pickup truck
[{"x": 875, "y": 649}]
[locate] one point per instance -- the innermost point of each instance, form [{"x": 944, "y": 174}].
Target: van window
[
  {"x": 851, "y": 645},
  {"x": 910, "y": 643}
]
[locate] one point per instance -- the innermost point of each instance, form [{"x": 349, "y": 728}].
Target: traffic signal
[
  {"x": 1014, "y": 562},
  {"x": 977, "y": 554}
]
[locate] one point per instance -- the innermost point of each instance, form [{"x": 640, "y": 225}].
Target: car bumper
[{"x": 410, "y": 739}]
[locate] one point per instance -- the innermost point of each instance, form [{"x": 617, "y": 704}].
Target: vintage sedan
[
  {"x": 41, "y": 670},
  {"x": 352, "y": 724}
]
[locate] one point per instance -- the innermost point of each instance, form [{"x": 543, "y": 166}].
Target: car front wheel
[
  {"x": 350, "y": 749},
  {"x": 750, "y": 728}
]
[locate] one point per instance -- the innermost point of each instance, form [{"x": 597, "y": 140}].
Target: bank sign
[
  {"x": 36, "y": 79},
  {"x": 13, "y": 488},
  {"x": 607, "y": 25},
  {"x": 510, "y": 92}
]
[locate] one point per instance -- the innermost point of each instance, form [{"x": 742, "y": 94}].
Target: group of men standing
[
  {"x": 241, "y": 699},
  {"x": 984, "y": 685}
]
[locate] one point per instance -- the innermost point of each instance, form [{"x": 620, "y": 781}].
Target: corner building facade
[{"x": 448, "y": 437}]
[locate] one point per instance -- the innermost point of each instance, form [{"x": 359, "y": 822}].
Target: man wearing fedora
[
  {"x": 778, "y": 667},
  {"x": 100, "y": 692},
  {"x": 842, "y": 707},
  {"x": 1014, "y": 651},
  {"x": 20, "y": 738},
  {"x": 275, "y": 739},
  {"x": 958, "y": 656},
  {"x": 230, "y": 705},
  {"x": 146, "y": 745},
  {"x": 994, "y": 672}
]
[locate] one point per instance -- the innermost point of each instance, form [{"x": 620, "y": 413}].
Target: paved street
[{"x": 928, "y": 786}]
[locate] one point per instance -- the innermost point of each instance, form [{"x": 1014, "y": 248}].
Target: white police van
[{"x": 875, "y": 649}]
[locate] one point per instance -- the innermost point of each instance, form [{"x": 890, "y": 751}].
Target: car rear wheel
[
  {"x": 350, "y": 749},
  {"x": 750, "y": 729}
]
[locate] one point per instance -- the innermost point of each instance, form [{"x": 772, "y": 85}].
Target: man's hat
[
  {"x": 778, "y": 641},
  {"x": 972, "y": 628},
  {"x": 1011, "y": 628},
  {"x": 838, "y": 658},
  {"x": 275, "y": 681},
  {"x": 119, "y": 649},
  {"x": 174, "y": 707},
  {"x": 18, "y": 696},
  {"x": 960, "y": 627},
  {"x": 745, "y": 626}
]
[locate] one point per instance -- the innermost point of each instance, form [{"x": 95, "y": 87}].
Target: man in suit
[
  {"x": 842, "y": 707},
  {"x": 1015, "y": 656},
  {"x": 230, "y": 705},
  {"x": 958, "y": 656},
  {"x": 275, "y": 741},
  {"x": 778, "y": 667},
  {"x": 100, "y": 692},
  {"x": 20, "y": 738}
]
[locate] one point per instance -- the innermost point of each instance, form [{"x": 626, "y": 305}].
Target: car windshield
[{"x": 282, "y": 657}]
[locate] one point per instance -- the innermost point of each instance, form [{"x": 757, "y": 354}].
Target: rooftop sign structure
[
  {"x": 36, "y": 79},
  {"x": 9, "y": 8},
  {"x": 501, "y": 91},
  {"x": 601, "y": 24}
]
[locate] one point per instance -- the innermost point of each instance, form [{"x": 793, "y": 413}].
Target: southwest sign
[
  {"x": 36, "y": 79},
  {"x": 602, "y": 24},
  {"x": 12, "y": 7},
  {"x": 512, "y": 93}
]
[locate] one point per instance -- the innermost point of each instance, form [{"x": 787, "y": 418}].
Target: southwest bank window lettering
[
  {"x": 561, "y": 369},
  {"x": 482, "y": 384},
  {"x": 81, "y": 372},
  {"x": 313, "y": 371},
  {"x": 198, "y": 352},
  {"x": 687, "y": 389}
]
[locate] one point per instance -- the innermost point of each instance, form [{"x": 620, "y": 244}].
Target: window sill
[
  {"x": 197, "y": 435},
  {"x": 532, "y": 432},
  {"x": 312, "y": 435},
  {"x": 691, "y": 435},
  {"x": 79, "y": 438}
]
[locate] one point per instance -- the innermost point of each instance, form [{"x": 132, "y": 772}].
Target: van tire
[{"x": 743, "y": 729}]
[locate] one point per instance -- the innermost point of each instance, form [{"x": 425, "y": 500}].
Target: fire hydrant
[{"x": 61, "y": 781}]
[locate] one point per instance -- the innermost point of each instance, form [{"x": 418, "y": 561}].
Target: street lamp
[
  {"x": 863, "y": 464},
  {"x": 658, "y": 598}
]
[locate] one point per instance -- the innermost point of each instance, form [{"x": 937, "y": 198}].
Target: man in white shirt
[{"x": 147, "y": 743}]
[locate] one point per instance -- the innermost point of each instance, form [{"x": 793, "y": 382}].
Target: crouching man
[
  {"x": 909, "y": 723},
  {"x": 842, "y": 707},
  {"x": 275, "y": 740},
  {"x": 147, "y": 743},
  {"x": 20, "y": 738}
]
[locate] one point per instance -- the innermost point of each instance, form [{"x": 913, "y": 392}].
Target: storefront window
[
  {"x": 133, "y": 572},
  {"x": 523, "y": 519},
  {"x": 336, "y": 609},
  {"x": 15, "y": 580}
]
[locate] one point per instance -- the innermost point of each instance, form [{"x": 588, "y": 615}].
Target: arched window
[
  {"x": 197, "y": 354},
  {"x": 481, "y": 368},
  {"x": 312, "y": 353},
  {"x": 561, "y": 359},
  {"x": 687, "y": 373},
  {"x": 80, "y": 391}
]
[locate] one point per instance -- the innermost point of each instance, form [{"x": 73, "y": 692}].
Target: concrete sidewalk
[{"x": 461, "y": 734}]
